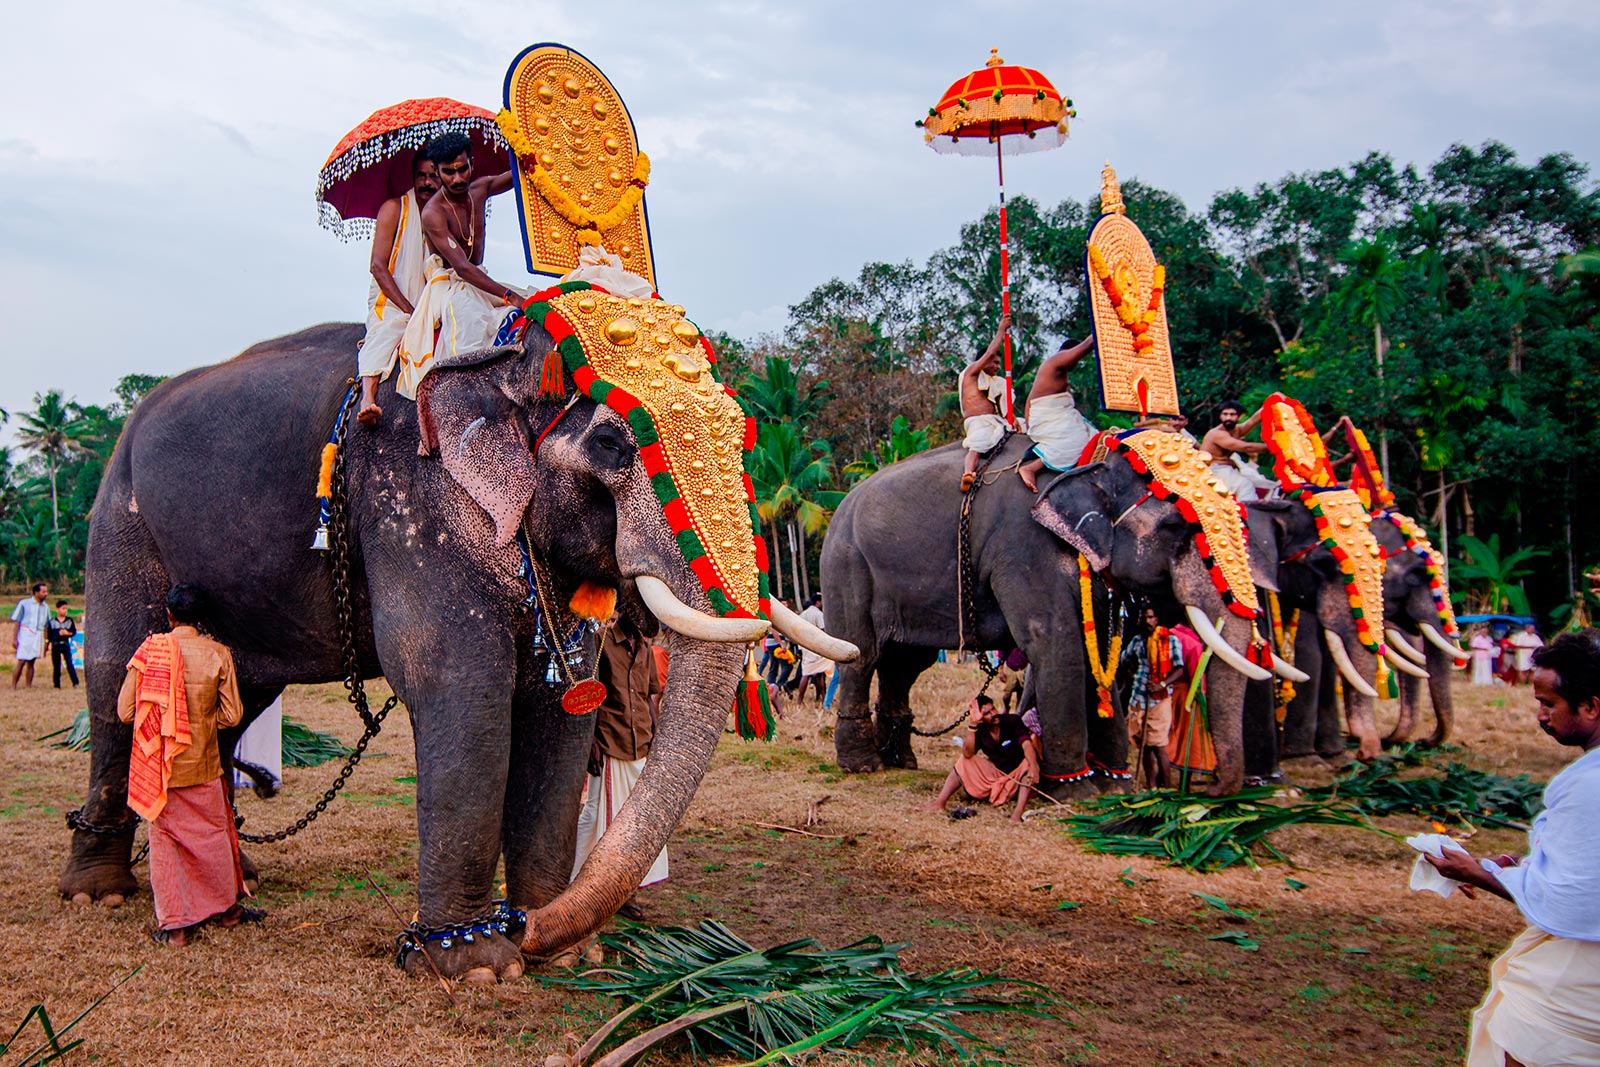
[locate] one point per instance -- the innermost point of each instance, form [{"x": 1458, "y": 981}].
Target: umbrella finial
[
  {"x": 994, "y": 59},
  {"x": 1110, "y": 192}
]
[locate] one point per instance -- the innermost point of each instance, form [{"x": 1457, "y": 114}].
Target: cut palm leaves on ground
[
  {"x": 769, "y": 1005},
  {"x": 1459, "y": 795},
  {"x": 1202, "y": 833},
  {"x": 77, "y": 735},
  {"x": 305, "y": 747}
]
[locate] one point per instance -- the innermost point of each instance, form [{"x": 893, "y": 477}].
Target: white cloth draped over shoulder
[
  {"x": 1543, "y": 1004},
  {"x": 453, "y": 318},
  {"x": 599, "y": 267},
  {"x": 385, "y": 322},
  {"x": 1059, "y": 430}
]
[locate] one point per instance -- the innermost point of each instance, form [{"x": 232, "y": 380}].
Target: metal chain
[
  {"x": 966, "y": 579},
  {"x": 947, "y": 729},
  {"x": 355, "y": 686},
  {"x": 76, "y": 821}
]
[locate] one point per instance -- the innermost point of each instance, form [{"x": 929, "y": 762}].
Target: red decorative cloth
[{"x": 160, "y": 723}]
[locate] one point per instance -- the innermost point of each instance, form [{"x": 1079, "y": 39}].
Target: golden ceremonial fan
[
  {"x": 580, "y": 174},
  {"x": 1126, "y": 304}
]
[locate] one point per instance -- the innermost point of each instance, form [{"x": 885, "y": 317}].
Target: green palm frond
[{"x": 771, "y": 1004}]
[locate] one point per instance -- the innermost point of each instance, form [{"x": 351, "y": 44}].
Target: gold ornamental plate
[
  {"x": 572, "y": 125},
  {"x": 1127, "y": 304}
]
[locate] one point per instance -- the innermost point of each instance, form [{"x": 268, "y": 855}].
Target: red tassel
[
  {"x": 551, "y": 382},
  {"x": 752, "y": 705},
  {"x": 1106, "y": 709}
]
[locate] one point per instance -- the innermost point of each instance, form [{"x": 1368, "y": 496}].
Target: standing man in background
[{"x": 28, "y": 623}]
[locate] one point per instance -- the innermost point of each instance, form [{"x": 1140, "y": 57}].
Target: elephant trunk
[
  {"x": 1441, "y": 667},
  {"x": 1225, "y": 691},
  {"x": 700, "y": 688}
]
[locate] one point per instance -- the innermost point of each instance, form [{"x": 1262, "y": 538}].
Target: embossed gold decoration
[
  {"x": 1133, "y": 346},
  {"x": 1180, "y": 472},
  {"x": 579, "y": 169},
  {"x": 699, "y": 427}
]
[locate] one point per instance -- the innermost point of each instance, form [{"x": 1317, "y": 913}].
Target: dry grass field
[{"x": 1354, "y": 967}]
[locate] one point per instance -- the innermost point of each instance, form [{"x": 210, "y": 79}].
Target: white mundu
[
  {"x": 385, "y": 322},
  {"x": 1059, "y": 430},
  {"x": 466, "y": 319}
]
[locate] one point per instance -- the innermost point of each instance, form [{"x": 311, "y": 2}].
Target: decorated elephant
[
  {"x": 896, "y": 585},
  {"x": 212, "y": 484}
]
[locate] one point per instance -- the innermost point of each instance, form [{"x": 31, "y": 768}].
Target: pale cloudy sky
[{"x": 157, "y": 159}]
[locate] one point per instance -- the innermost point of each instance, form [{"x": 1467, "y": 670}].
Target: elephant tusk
[
  {"x": 1342, "y": 658},
  {"x": 1221, "y": 649},
  {"x": 1398, "y": 642},
  {"x": 1288, "y": 671},
  {"x": 676, "y": 615},
  {"x": 1401, "y": 664},
  {"x": 806, "y": 635},
  {"x": 1439, "y": 640}
]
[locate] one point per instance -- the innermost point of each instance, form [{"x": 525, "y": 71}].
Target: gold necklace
[{"x": 472, "y": 219}]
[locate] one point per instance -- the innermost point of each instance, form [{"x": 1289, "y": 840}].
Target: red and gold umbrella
[
  {"x": 999, "y": 110},
  {"x": 372, "y": 162}
]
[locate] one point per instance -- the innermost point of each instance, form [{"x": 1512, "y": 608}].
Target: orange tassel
[
  {"x": 550, "y": 378},
  {"x": 325, "y": 476},
  {"x": 591, "y": 601}
]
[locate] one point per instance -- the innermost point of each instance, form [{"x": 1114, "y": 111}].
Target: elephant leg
[
  {"x": 855, "y": 739},
  {"x": 899, "y": 667},
  {"x": 1300, "y": 722},
  {"x": 1329, "y": 729},
  {"x": 1061, "y": 686},
  {"x": 127, "y": 601},
  {"x": 549, "y": 750},
  {"x": 1260, "y": 732},
  {"x": 458, "y": 682}
]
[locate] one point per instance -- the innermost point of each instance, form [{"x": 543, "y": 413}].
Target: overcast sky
[{"x": 158, "y": 159}]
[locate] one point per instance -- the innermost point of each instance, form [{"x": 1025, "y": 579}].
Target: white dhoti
[
  {"x": 1059, "y": 431},
  {"x": 452, "y": 318},
  {"x": 983, "y": 432},
  {"x": 1244, "y": 480},
  {"x": 1543, "y": 1004},
  {"x": 606, "y": 795},
  {"x": 30, "y": 643},
  {"x": 386, "y": 324}
]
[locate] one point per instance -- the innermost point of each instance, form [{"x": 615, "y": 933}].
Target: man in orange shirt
[{"x": 179, "y": 689}]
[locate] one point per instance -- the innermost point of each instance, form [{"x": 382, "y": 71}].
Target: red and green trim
[
  {"x": 1366, "y": 633},
  {"x": 1437, "y": 589},
  {"x": 1202, "y": 544},
  {"x": 538, "y": 309}
]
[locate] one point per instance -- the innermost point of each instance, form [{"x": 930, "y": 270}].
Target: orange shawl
[{"x": 160, "y": 723}]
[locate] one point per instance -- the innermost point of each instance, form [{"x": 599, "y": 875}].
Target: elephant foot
[
  {"x": 1115, "y": 785},
  {"x": 855, "y": 745},
  {"x": 1082, "y": 789},
  {"x": 903, "y": 758},
  {"x": 1225, "y": 787},
  {"x": 98, "y": 870},
  {"x": 487, "y": 959}
]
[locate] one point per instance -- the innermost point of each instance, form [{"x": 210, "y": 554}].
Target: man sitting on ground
[
  {"x": 1543, "y": 1004},
  {"x": 983, "y": 393},
  {"x": 999, "y": 759},
  {"x": 397, "y": 258},
  {"x": 461, "y": 306}
]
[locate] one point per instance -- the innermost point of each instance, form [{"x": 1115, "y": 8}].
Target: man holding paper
[{"x": 1543, "y": 1004}]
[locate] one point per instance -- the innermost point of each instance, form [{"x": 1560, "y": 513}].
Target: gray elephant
[
  {"x": 212, "y": 483},
  {"x": 893, "y": 583},
  {"x": 1417, "y": 627}
]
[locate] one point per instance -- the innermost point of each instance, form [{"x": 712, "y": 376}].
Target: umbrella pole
[{"x": 1005, "y": 276}]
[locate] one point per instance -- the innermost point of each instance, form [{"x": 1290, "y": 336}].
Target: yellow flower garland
[
  {"x": 1105, "y": 673},
  {"x": 1135, "y": 322},
  {"x": 590, "y": 226},
  {"x": 1284, "y": 633}
]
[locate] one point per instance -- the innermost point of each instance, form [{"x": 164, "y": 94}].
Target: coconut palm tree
[
  {"x": 52, "y": 430},
  {"x": 903, "y": 442},
  {"x": 776, "y": 395},
  {"x": 790, "y": 480}
]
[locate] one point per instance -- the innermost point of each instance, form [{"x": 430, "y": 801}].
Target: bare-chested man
[
  {"x": 1226, "y": 439},
  {"x": 1058, "y": 428},
  {"x": 397, "y": 278},
  {"x": 983, "y": 392},
  {"x": 459, "y": 298}
]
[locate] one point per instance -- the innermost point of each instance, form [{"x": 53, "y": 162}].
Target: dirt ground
[{"x": 1354, "y": 966}]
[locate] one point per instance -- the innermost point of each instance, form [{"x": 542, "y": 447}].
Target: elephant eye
[{"x": 609, "y": 449}]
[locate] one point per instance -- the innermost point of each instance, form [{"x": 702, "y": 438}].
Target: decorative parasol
[
  {"x": 372, "y": 162},
  {"x": 1002, "y": 110}
]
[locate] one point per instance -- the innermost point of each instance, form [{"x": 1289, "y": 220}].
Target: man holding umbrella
[{"x": 397, "y": 257}]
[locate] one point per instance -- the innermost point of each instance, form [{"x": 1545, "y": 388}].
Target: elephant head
[
  {"x": 1416, "y": 609},
  {"x": 1111, "y": 514},
  {"x": 632, "y": 477}
]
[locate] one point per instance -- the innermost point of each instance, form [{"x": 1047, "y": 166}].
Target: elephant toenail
[{"x": 480, "y": 976}]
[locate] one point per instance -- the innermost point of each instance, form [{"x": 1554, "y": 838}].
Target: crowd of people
[{"x": 1503, "y": 655}]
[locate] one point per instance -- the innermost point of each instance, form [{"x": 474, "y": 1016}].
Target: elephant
[
  {"x": 1418, "y": 630},
  {"x": 211, "y": 484},
  {"x": 1309, "y": 582},
  {"x": 892, "y": 580}
]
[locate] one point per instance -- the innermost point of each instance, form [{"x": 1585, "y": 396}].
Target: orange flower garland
[
  {"x": 1135, "y": 322},
  {"x": 1104, "y": 671},
  {"x": 1301, "y": 458}
]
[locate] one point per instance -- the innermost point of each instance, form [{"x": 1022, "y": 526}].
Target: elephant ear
[
  {"x": 1265, "y": 520},
  {"x": 1074, "y": 508},
  {"x": 483, "y": 444}
]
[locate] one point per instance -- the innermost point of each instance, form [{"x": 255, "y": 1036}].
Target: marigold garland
[
  {"x": 1417, "y": 541},
  {"x": 1285, "y": 630},
  {"x": 1104, "y": 671},
  {"x": 1282, "y": 438},
  {"x": 590, "y": 226},
  {"x": 1135, "y": 322},
  {"x": 1365, "y": 474}
]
